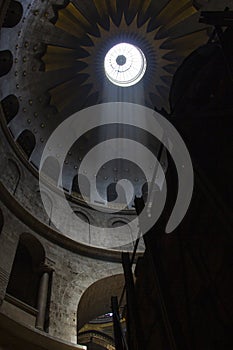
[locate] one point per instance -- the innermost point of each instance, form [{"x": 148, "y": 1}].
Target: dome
[
  {"x": 104, "y": 105},
  {"x": 57, "y": 69}
]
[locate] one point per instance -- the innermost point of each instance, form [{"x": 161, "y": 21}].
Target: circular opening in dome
[{"x": 125, "y": 64}]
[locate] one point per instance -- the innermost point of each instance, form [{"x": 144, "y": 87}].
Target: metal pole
[
  {"x": 136, "y": 337},
  {"x": 118, "y": 336}
]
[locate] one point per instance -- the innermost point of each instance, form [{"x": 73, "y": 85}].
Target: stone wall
[
  {"x": 72, "y": 275},
  {"x": 75, "y": 267},
  {"x": 24, "y": 186}
]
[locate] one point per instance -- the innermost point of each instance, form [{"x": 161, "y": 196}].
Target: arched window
[
  {"x": 6, "y": 62},
  {"x": 10, "y": 106},
  {"x": 95, "y": 309},
  {"x": 25, "y": 275},
  {"x": 84, "y": 185},
  {"x": 118, "y": 223},
  {"x": 1, "y": 221},
  {"x": 82, "y": 216},
  {"x": 13, "y": 15},
  {"x": 125, "y": 233},
  {"x": 113, "y": 195},
  {"x": 51, "y": 169},
  {"x": 111, "y": 192},
  {"x": 27, "y": 142}
]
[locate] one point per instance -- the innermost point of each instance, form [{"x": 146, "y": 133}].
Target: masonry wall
[
  {"x": 23, "y": 185},
  {"x": 72, "y": 275}
]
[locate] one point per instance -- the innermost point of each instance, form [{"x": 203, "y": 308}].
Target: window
[
  {"x": 125, "y": 64},
  {"x": 6, "y": 62},
  {"x": 10, "y": 106},
  {"x": 27, "y": 142},
  {"x": 25, "y": 275},
  {"x": 13, "y": 15}
]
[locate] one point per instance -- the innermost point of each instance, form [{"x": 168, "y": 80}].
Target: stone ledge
[
  {"x": 15, "y": 336},
  {"x": 53, "y": 235}
]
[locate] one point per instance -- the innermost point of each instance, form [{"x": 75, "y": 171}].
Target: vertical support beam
[
  {"x": 116, "y": 324},
  {"x": 43, "y": 297},
  {"x": 166, "y": 320},
  {"x": 133, "y": 324}
]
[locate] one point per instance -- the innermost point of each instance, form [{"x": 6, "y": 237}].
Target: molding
[
  {"x": 4, "y": 276},
  {"x": 24, "y": 337},
  {"x": 54, "y": 236},
  {"x": 21, "y": 305},
  {"x": 26, "y": 163}
]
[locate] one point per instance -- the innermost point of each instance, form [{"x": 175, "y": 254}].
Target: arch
[
  {"x": 13, "y": 15},
  {"x": 10, "y": 106},
  {"x": 27, "y": 142},
  {"x": 6, "y": 62},
  {"x": 85, "y": 185},
  {"x": 112, "y": 194},
  {"x": 125, "y": 231},
  {"x": 96, "y": 340},
  {"x": 1, "y": 220},
  {"x": 96, "y": 300},
  {"x": 82, "y": 216},
  {"x": 119, "y": 223},
  {"x": 25, "y": 274},
  {"x": 51, "y": 169}
]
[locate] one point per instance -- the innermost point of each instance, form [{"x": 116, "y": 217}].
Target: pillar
[{"x": 43, "y": 296}]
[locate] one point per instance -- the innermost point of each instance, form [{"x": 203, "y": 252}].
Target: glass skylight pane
[{"x": 125, "y": 64}]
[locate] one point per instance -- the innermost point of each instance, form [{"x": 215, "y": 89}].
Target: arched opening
[
  {"x": 13, "y": 15},
  {"x": 6, "y": 62},
  {"x": 118, "y": 223},
  {"x": 10, "y": 106},
  {"x": 94, "y": 310},
  {"x": 25, "y": 274},
  {"x": 1, "y": 221},
  {"x": 114, "y": 193},
  {"x": 111, "y": 192},
  {"x": 51, "y": 169},
  {"x": 82, "y": 216},
  {"x": 81, "y": 184},
  {"x": 125, "y": 233},
  {"x": 27, "y": 142}
]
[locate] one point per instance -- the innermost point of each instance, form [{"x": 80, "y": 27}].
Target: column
[{"x": 43, "y": 297}]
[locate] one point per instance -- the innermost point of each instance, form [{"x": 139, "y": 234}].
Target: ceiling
[{"x": 54, "y": 53}]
